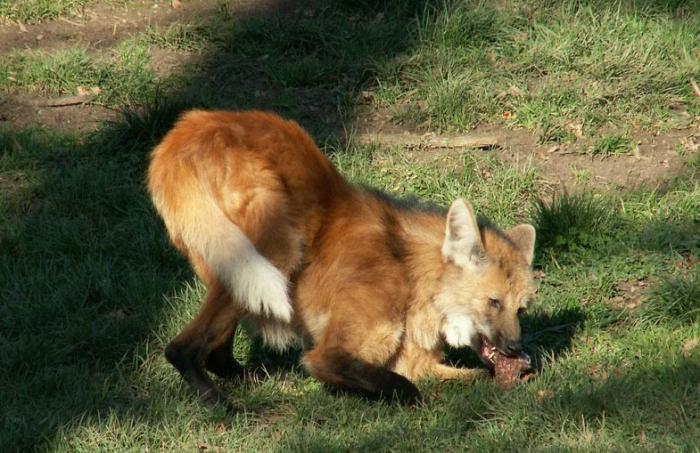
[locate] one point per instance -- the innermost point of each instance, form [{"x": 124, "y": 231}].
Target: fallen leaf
[
  {"x": 689, "y": 346},
  {"x": 598, "y": 373},
  {"x": 366, "y": 95},
  {"x": 544, "y": 394},
  {"x": 39, "y": 37},
  {"x": 92, "y": 91},
  {"x": 507, "y": 115},
  {"x": 636, "y": 153},
  {"x": 176, "y": 4},
  {"x": 117, "y": 314},
  {"x": 695, "y": 88},
  {"x": 22, "y": 28},
  {"x": 576, "y": 127}
]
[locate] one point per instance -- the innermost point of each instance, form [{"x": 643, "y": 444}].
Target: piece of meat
[{"x": 507, "y": 371}]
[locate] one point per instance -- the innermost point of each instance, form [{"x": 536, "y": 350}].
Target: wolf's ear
[
  {"x": 524, "y": 238},
  {"x": 462, "y": 244}
]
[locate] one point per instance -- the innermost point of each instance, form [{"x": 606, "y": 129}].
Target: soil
[{"x": 658, "y": 159}]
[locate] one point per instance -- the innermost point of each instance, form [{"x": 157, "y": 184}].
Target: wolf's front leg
[{"x": 450, "y": 373}]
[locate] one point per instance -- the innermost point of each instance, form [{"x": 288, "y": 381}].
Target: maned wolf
[{"x": 373, "y": 290}]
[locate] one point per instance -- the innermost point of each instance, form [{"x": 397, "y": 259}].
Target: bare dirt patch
[
  {"x": 23, "y": 111},
  {"x": 658, "y": 157},
  {"x": 629, "y": 294}
]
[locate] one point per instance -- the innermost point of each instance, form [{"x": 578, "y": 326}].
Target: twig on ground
[
  {"x": 66, "y": 101},
  {"x": 71, "y": 22},
  {"x": 429, "y": 140}
]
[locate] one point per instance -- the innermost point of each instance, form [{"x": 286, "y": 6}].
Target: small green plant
[
  {"x": 555, "y": 134},
  {"x": 609, "y": 145},
  {"x": 569, "y": 222},
  {"x": 187, "y": 37},
  {"x": 676, "y": 299},
  {"x": 694, "y": 161}
]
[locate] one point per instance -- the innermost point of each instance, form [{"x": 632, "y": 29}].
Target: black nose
[{"x": 513, "y": 348}]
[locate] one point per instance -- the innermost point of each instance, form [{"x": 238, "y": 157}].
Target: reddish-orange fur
[{"x": 363, "y": 273}]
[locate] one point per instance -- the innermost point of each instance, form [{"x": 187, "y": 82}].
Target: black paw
[
  {"x": 229, "y": 369},
  {"x": 404, "y": 392}
]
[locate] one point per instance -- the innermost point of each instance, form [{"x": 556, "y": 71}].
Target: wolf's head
[{"x": 487, "y": 284}]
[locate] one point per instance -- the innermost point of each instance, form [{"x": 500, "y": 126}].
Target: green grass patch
[
  {"x": 35, "y": 11},
  {"x": 594, "y": 62},
  {"x": 123, "y": 76},
  {"x": 675, "y": 299},
  {"x": 177, "y": 36}
]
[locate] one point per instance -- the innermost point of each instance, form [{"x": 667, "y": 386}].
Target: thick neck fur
[{"x": 422, "y": 233}]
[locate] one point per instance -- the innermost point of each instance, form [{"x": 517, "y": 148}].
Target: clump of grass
[
  {"x": 140, "y": 127},
  {"x": 187, "y": 37},
  {"x": 676, "y": 299},
  {"x": 613, "y": 144},
  {"x": 569, "y": 222},
  {"x": 694, "y": 161},
  {"x": 552, "y": 133}
]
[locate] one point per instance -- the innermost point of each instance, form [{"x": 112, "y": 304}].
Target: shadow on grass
[
  {"x": 84, "y": 266},
  {"x": 85, "y": 263},
  {"x": 631, "y": 406}
]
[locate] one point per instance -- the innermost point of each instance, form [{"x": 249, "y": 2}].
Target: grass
[
  {"x": 97, "y": 292},
  {"x": 91, "y": 290},
  {"x": 548, "y": 63},
  {"x": 123, "y": 76},
  {"x": 677, "y": 298},
  {"x": 35, "y": 11},
  {"x": 570, "y": 222},
  {"x": 611, "y": 145}
]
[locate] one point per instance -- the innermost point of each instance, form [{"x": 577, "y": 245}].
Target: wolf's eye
[{"x": 495, "y": 303}]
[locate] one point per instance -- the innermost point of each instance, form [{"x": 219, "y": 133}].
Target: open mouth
[
  {"x": 488, "y": 351},
  {"x": 507, "y": 371}
]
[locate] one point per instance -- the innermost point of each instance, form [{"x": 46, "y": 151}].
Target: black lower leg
[
  {"x": 190, "y": 366},
  {"x": 220, "y": 361}
]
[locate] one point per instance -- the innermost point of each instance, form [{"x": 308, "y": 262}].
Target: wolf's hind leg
[
  {"x": 210, "y": 331},
  {"x": 221, "y": 362}
]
